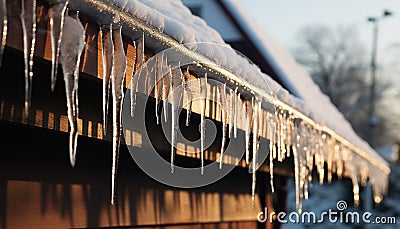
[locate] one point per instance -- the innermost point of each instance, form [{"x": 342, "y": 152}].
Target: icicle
[
  {"x": 4, "y": 27},
  {"x": 271, "y": 168},
  {"x": 339, "y": 161},
  {"x": 272, "y": 149},
  {"x": 231, "y": 111},
  {"x": 222, "y": 96},
  {"x": 28, "y": 22},
  {"x": 278, "y": 134},
  {"x": 159, "y": 84},
  {"x": 304, "y": 156},
  {"x": 107, "y": 51},
  {"x": 330, "y": 157},
  {"x": 281, "y": 134},
  {"x": 170, "y": 79},
  {"x": 188, "y": 95},
  {"x": 243, "y": 120},
  {"x": 155, "y": 86},
  {"x": 236, "y": 112},
  {"x": 72, "y": 44},
  {"x": 203, "y": 96},
  {"x": 297, "y": 175},
  {"x": 165, "y": 88},
  {"x": 139, "y": 60},
  {"x": 259, "y": 124},
  {"x": 56, "y": 15},
  {"x": 175, "y": 108},
  {"x": 117, "y": 85},
  {"x": 174, "y": 125},
  {"x": 264, "y": 120},
  {"x": 320, "y": 158},
  {"x": 249, "y": 114},
  {"x": 379, "y": 183},
  {"x": 306, "y": 188},
  {"x": 256, "y": 116},
  {"x": 289, "y": 134}
]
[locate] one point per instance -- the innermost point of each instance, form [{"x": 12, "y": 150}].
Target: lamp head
[{"x": 387, "y": 13}]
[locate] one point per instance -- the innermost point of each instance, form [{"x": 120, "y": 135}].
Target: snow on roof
[{"x": 173, "y": 18}]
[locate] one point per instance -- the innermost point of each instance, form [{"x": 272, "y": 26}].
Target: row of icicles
[{"x": 283, "y": 129}]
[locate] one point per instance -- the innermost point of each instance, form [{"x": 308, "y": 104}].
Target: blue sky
[{"x": 283, "y": 19}]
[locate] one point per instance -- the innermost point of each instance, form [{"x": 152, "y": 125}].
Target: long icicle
[
  {"x": 107, "y": 52},
  {"x": 139, "y": 60},
  {"x": 249, "y": 114},
  {"x": 236, "y": 114},
  {"x": 224, "y": 116},
  {"x": 297, "y": 175},
  {"x": 117, "y": 84},
  {"x": 170, "y": 82},
  {"x": 256, "y": 116},
  {"x": 159, "y": 86},
  {"x": 206, "y": 94},
  {"x": 173, "y": 124},
  {"x": 203, "y": 96},
  {"x": 243, "y": 121},
  {"x": 28, "y": 22},
  {"x": 232, "y": 98},
  {"x": 57, "y": 16},
  {"x": 175, "y": 108},
  {"x": 71, "y": 48},
  {"x": 166, "y": 87},
  {"x": 222, "y": 93},
  {"x": 156, "y": 89},
  {"x": 4, "y": 28},
  {"x": 272, "y": 130}
]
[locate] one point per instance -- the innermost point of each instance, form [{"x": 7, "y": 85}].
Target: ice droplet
[
  {"x": 117, "y": 85},
  {"x": 28, "y": 22},
  {"x": 72, "y": 44},
  {"x": 56, "y": 16}
]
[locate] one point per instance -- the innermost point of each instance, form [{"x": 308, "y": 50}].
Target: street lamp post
[{"x": 371, "y": 111}]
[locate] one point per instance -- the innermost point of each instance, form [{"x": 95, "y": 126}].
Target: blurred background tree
[{"x": 338, "y": 62}]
